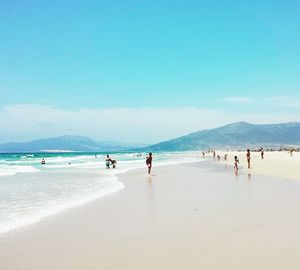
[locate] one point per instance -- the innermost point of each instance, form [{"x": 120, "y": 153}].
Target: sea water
[{"x": 30, "y": 191}]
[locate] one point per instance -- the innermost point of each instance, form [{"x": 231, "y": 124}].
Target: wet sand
[{"x": 191, "y": 216}]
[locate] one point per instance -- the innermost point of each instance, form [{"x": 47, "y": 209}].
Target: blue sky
[{"x": 237, "y": 59}]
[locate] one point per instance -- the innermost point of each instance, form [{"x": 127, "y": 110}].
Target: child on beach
[
  {"x": 113, "y": 163},
  {"x": 236, "y": 161},
  {"x": 149, "y": 162}
]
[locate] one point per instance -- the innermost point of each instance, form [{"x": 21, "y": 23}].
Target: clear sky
[{"x": 145, "y": 71}]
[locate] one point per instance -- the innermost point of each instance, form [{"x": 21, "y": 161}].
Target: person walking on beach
[
  {"x": 236, "y": 161},
  {"x": 248, "y": 158},
  {"x": 107, "y": 162},
  {"x": 149, "y": 162},
  {"x": 262, "y": 153}
]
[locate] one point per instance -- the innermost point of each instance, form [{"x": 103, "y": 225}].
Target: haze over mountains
[
  {"x": 234, "y": 136},
  {"x": 64, "y": 143}
]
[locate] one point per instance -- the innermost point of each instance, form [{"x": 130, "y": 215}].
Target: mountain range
[
  {"x": 238, "y": 135},
  {"x": 65, "y": 143}
]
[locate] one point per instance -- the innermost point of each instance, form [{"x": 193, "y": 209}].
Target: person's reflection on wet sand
[{"x": 149, "y": 179}]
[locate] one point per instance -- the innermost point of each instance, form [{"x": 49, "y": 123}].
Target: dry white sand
[
  {"x": 278, "y": 164},
  {"x": 196, "y": 216}
]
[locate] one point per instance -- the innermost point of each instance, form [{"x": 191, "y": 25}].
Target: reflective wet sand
[{"x": 192, "y": 216}]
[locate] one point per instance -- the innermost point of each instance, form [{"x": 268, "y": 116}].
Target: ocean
[{"x": 30, "y": 191}]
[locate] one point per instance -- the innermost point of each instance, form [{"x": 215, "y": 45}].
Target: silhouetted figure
[
  {"x": 236, "y": 161},
  {"x": 113, "y": 163},
  {"x": 248, "y": 158},
  {"x": 149, "y": 162},
  {"x": 107, "y": 162}
]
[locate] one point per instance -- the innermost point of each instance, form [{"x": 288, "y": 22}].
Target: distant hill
[
  {"x": 64, "y": 143},
  {"x": 235, "y": 136}
]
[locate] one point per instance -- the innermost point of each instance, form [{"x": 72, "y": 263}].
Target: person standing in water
[
  {"x": 113, "y": 163},
  {"x": 107, "y": 162},
  {"x": 248, "y": 158},
  {"x": 149, "y": 162}
]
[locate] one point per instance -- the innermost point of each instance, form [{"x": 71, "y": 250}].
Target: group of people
[
  {"x": 248, "y": 157},
  {"x": 109, "y": 162},
  {"x": 236, "y": 160},
  {"x": 112, "y": 162}
]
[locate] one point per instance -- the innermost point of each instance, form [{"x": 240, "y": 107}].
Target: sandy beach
[
  {"x": 127, "y": 128},
  {"x": 279, "y": 164},
  {"x": 189, "y": 216}
]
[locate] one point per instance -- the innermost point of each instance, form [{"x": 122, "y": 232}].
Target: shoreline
[
  {"x": 76, "y": 172},
  {"x": 191, "y": 216},
  {"x": 259, "y": 168},
  {"x": 51, "y": 211},
  {"x": 286, "y": 167}
]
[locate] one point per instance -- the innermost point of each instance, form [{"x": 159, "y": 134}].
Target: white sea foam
[
  {"x": 36, "y": 209},
  {"x": 11, "y": 170},
  {"x": 26, "y": 200},
  {"x": 67, "y": 159}
]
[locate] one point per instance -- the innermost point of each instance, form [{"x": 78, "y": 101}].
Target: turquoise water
[{"x": 14, "y": 163}]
